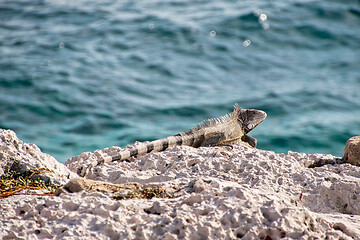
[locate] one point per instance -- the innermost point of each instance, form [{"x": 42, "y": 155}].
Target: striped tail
[
  {"x": 192, "y": 138},
  {"x": 186, "y": 138}
]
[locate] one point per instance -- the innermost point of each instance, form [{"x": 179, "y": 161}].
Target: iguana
[{"x": 229, "y": 129}]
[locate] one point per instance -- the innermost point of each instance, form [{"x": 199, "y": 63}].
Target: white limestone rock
[
  {"x": 225, "y": 193},
  {"x": 352, "y": 151},
  {"x": 21, "y": 157}
]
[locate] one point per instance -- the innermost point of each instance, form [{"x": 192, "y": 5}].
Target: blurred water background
[{"x": 82, "y": 75}]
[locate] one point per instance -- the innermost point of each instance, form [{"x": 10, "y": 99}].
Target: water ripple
[{"x": 89, "y": 74}]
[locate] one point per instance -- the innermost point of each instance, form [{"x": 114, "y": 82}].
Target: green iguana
[{"x": 229, "y": 129}]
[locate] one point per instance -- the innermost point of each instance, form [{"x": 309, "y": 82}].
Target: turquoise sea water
[{"x": 81, "y": 75}]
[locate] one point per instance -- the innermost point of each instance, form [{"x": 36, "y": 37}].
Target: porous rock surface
[
  {"x": 352, "y": 151},
  {"x": 15, "y": 155},
  {"x": 224, "y": 193}
]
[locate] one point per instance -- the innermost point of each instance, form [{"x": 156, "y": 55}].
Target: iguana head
[{"x": 250, "y": 118}]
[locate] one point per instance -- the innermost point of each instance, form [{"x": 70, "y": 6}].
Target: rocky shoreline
[{"x": 210, "y": 193}]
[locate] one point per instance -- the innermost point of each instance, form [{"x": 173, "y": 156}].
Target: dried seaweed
[
  {"x": 144, "y": 193},
  {"x": 14, "y": 182}
]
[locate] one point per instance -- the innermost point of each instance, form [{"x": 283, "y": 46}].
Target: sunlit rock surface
[
  {"x": 352, "y": 151},
  {"x": 15, "y": 155},
  {"x": 224, "y": 193}
]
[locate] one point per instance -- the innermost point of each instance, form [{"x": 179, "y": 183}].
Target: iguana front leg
[{"x": 250, "y": 140}]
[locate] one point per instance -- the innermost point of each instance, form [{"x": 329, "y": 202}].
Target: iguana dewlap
[{"x": 229, "y": 129}]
